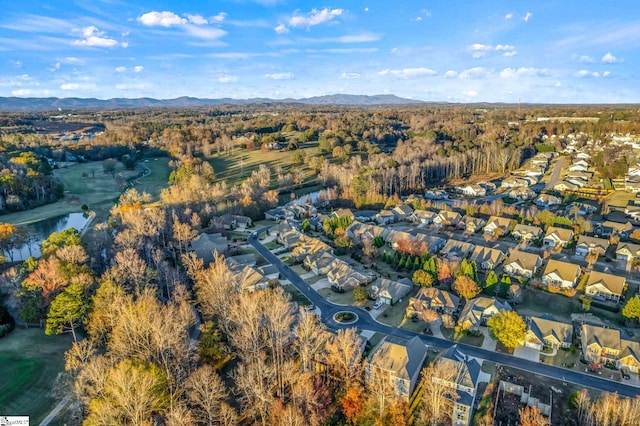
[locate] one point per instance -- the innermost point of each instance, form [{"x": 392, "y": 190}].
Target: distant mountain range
[{"x": 44, "y": 104}]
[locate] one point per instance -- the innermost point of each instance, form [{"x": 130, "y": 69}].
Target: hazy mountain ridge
[{"x": 42, "y": 104}]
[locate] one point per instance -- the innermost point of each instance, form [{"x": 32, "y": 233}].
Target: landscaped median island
[{"x": 345, "y": 317}]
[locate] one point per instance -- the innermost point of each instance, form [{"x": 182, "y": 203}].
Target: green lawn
[
  {"x": 157, "y": 179},
  {"x": 296, "y": 295},
  {"x": 241, "y": 163},
  {"x": 29, "y": 364}
]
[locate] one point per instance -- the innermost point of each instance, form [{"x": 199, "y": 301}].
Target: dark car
[{"x": 337, "y": 289}]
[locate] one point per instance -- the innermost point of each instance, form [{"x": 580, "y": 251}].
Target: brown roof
[
  {"x": 613, "y": 283},
  {"x": 526, "y": 260},
  {"x": 566, "y": 271}
]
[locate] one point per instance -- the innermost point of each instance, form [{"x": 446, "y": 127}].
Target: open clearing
[{"x": 29, "y": 364}]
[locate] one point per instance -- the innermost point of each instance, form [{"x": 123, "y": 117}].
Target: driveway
[
  {"x": 527, "y": 353},
  {"x": 322, "y": 283},
  {"x": 488, "y": 343}
]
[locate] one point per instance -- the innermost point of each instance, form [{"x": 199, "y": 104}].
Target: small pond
[{"x": 40, "y": 230}]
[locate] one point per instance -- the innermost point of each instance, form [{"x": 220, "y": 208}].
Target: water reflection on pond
[{"x": 40, "y": 230}]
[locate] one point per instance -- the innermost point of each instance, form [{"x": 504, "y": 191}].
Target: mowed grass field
[
  {"x": 29, "y": 364},
  {"x": 97, "y": 190},
  {"x": 238, "y": 165}
]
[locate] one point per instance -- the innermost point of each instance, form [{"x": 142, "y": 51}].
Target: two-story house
[
  {"x": 587, "y": 245},
  {"x": 498, "y": 226},
  {"x": 526, "y": 232},
  {"x": 605, "y": 286},
  {"x": 432, "y": 299},
  {"x": 397, "y": 362},
  {"x": 545, "y": 331},
  {"x": 477, "y": 311},
  {"x": 486, "y": 258}
]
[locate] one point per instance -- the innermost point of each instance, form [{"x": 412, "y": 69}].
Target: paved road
[
  {"x": 366, "y": 322},
  {"x": 556, "y": 173}
]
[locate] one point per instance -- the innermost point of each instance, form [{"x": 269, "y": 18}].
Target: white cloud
[
  {"x": 527, "y": 16},
  {"x": 366, "y": 9},
  {"x": 479, "y": 50},
  {"x": 473, "y": 73},
  {"x": 349, "y": 76},
  {"x": 197, "y": 19},
  {"x": 77, "y": 86},
  {"x": 227, "y": 79},
  {"x": 121, "y": 69},
  {"x": 55, "y": 67},
  {"x": 280, "y": 76},
  {"x": 418, "y": 18},
  {"x": 131, "y": 86},
  {"x": 587, "y": 73},
  {"x": 450, "y": 74},
  {"x": 72, "y": 60},
  {"x": 469, "y": 93},
  {"x": 138, "y": 68},
  {"x": 585, "y": 59},
  {"x": 606, "y": 73},
  {"x": 281, "y": 29},
  {"x": 206, "y": 33},
  {"x": 407, "y": 72},
  {"x": 608, "y": 58},
  {"x": 219, "y": 17},
  {"x": 94, "y": 38},
  {"x": 163, "y": 19},
  {"x": 315, "y": 17},
  {"x": 524, "y": 72},
  {"x": 508, "y": 16}
]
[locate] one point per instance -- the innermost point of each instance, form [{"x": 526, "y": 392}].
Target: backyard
[{"x": 29, "y": 365}]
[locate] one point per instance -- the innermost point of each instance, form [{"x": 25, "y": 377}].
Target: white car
[{"x": 378, "y": 304}]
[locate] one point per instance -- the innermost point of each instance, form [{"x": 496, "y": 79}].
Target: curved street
[{"x": 367, "y": 322}]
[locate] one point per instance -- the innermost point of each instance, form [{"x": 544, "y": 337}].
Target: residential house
[
  {"x": 270, "y": 271},
  {"x": 342, "y": 213},
  {"x": 545, "y": 331},
  {"x": 582, "y": 209},
  {"x": 423, "y": 216},
  {"x": 600, "y": 344},
  {"x": 290, "y": 238},
  {"x": 402, "y": 212},
  {"x": 248, "y": 259},
  {"x": 436, "y": 194},
  {"x": 477, "y": 311},
  {"x": 586, "y": 245},
  {"x": 627, "y": 252},
  {"x": 365, "y": 215},
  {"x": 279, "y": 213},
  {"x": 629, "y": 358},
  {"x": 465, "y": 383},
  {"x": 546, "y": 201},
  {"x": 320, "y": 263},
  {"x": 343, "y": 276},
  {"x": 472, "y": 190},
  {"x": 557, "y": 237},
  {"x": 526, "y": 232},
  {"x": 243, "y": 222},
  {"x": 513, "y": 182},
  {"x": 486, "y": 258},
  {"x": 306, "y": 246},
  {"x": 471, "y": 224},
  {"x": 522, "y": 264},
  {"x": 498, "y": 226},
  {"x": 561, "y": 274},
  {"x": 447, "y": 218},
  {"x": 390, "y": 291},
  {"x": 605, "y": 286},
  {"x": 250, "y": 278},
  {"x": 385, "y": 217},
  {"x": 205, "y": 245},
  {"x": 395, "y": 238},
  {"x": 433, "y": 243},
  {"x": 281, "y": 228},
  {"x": 400, "y": 361},
  {"x": 227, "y": 221},
  {"x": 522, "y": 194},
  {"x": 456, "y": 249},
  {"x": 431, "y": 298},
  {"x": 565, "y": 186},
  {"x": 580, "y": 162},
  {"x": 609, "y": 228}
]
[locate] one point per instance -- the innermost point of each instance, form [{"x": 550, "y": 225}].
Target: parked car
[
  {"x": 378, "y": 304},
  {"x": 337, "y": 289}
]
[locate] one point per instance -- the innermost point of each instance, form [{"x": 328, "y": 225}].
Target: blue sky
[{"x": 562, "y": 51}]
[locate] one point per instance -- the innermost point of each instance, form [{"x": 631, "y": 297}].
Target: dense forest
[{"x": 131, "y": 292}]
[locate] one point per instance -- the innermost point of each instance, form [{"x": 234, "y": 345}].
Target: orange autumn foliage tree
[{"x": 353, "y": 403}]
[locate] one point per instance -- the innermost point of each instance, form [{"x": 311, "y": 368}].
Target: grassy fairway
[
  {"x": 29, "y": 364},
  {"x": 98, "y": 190},
  {"x": 241, "y": 163}
]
